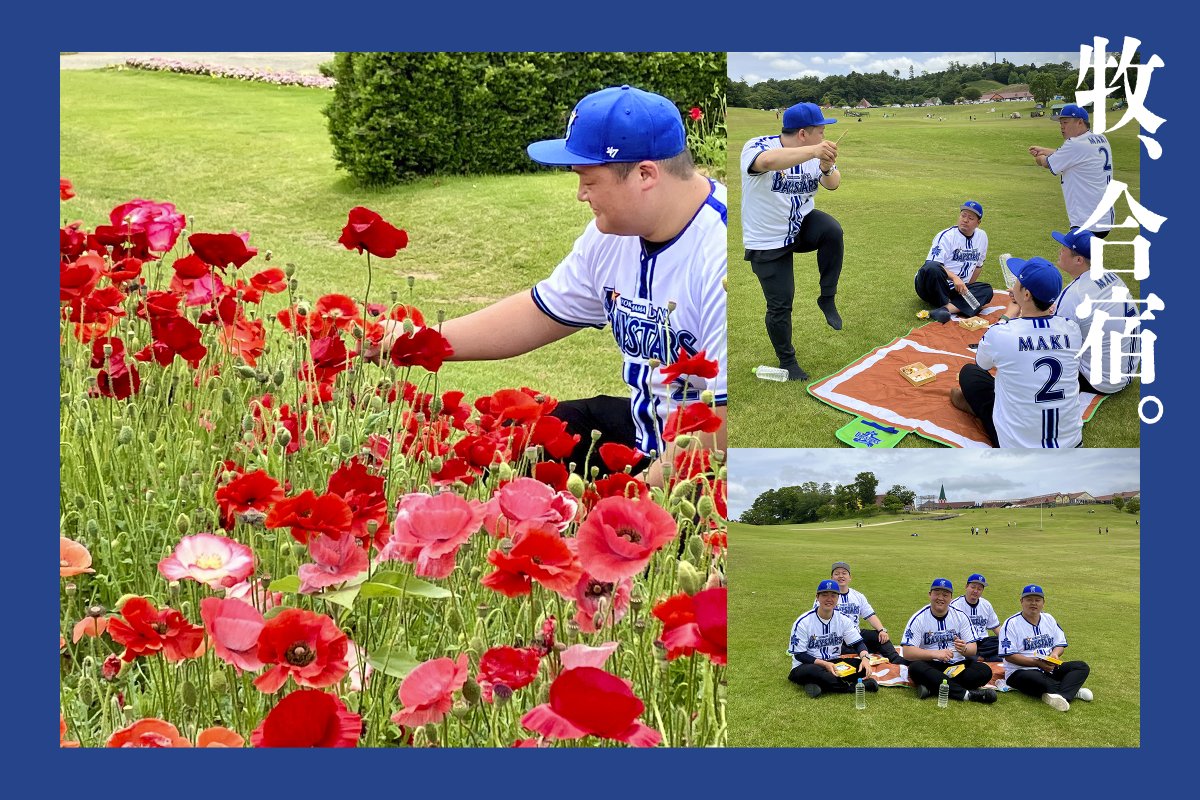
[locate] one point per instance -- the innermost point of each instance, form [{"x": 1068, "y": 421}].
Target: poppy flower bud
[
  {"x": 93, "y": 528},
  {"x": 506, "y": 546},
  {"x": 477, "y": 644},
  {"x": 501, "y": 694},
  {"x": 252, "y": 517},
  {"x": 431, "y": 733},
  {"x": 596, "y": 435},
  {"x": 372, "y": 526},
  {"x": 695, "y": 548},
  {"x": 595, "y": 471},
  {"x": 278, "y": 378},
  {"x": 188, "y": 694},
  {"x": 505, "y": 472},
  {"x": 70, "y": 589},
  {"x": 283, "y": 436},
  {"x": 267, "y": 257},
  {"x": 654, "y": 363},
  {"x": 261, "y": 376},
  {"x": 289, "y": 269},
  {"x": 345, "y": 444},
  {"x": 454, "y": 617},
  {"x": 460, "y": 709},
  {"x": 682, "y": 491},
  {"x": 686, "y": 510},
  {"x": 575, "y": 485},
  {"x": 482, "y": 610},
  {"x": 80, "y": 428},
  {"x": 183, "y": 524},
  {"x": 470, "y": 691},
  {"x": 302, "y": 309},
  {"x": 80, "y": 502},
  {"x": 173, "y": 588},
  {"x": 293, "y": 284},
  {"x": 436, "y": 463},
  {"x": 441, "y": 316},
  {"x": 86, "y": 691},
  {"x": 395, "y": 297},
  {"x": 671, "y": 306},
  {"x": 111, "y": 667},
  {"x": 227, "y": 396},
  {"x": 686, "y": 441},
  {"x": 475, "y": 573},
  {"x": 409, "y": 327},
  {"x": 689, "y": 578},
  {"x": 127, "y": 712},
  {"x": 411, "y": 280},
  {"x": 707, "y": 397},
  {"x": 108, "y": 350},
  {"x": 531, "y": 453},
  {"x": 299, "y": 550},
  {"x": 244, "y": 371}
]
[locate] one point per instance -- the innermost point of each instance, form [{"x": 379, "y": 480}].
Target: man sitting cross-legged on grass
[
  {"x": 947, "y": 278},
  {"x": 816, "y": 647},
  {"x": 937, "y": 640},
  {"x": 1026, "y": 640},
  {"x": 651, "y": 264}
]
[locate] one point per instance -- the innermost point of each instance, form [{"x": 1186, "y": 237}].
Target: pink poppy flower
[
  {"x": 429, "y": 529},
  {"x": 233, "y": 627},
  {"x": 593, "y": 597},
  {"x": 619, "y": 537},
  {"x": 73, "y": 558},
  {"x": 256, "y": 594},
  {"x": 529, "y": 503},
  {"x": 209, "y": 559},
  {"x": 335, "y": 561},
  {"x": 582, "y": 655},
  {"x": 89, "y": 626},
  {"x": 427, "y": 691}
]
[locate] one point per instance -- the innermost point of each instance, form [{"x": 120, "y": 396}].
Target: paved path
[{"x": 302, "y": 63}]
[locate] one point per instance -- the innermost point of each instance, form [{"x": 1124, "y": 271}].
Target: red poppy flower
[
  {"x": 619, "y": 536},
  {"x": 328, "y": 355},
  {"x": 551, "y": 473},
  {"x": 690, "y": 463},
  {"x": 368, "y": 231},
  {"x": 145, "y": 630},
  {"x": 75, "y": 280},
  {"x": 244, "y": 338},
  {"x": 618, "y": 484},
  {"x": 308, "y": 718},
  {"x": 514, "y": 667},
  {"x": 695, "y": 623},
  {"x": 173, "y": 336},
  {"x": 271, "y": 280},
  {"x": 539, "y": 555},
  {"x": 190, "y": 268},
  {"x": 71, "y": 242},
  {"x": 696, "y": 365},
  {"x": 424, "y": 348},
  {"x": 222, "y": 249},
  {"x": 253, "y": 490},
  {"x": 308, "y": 513},
  {"x": 696, "y": 114},
  {"x": 587, "y": 701},
  {"x": 427, "y": 692},
  {"x": 363, "y": 493},
  {"x": 120, "y": 379},
  {"x": 518, "y": 405},
  {"x": 159, "y": 304},
  {"x": 338, "y": 310},
  {"x": 550, "y": 433},
  {"x": 308, "y": 647},
  {"x": 716, "y": 541},
  {"x": 453, "y": 470},
  {"x": 218, "y": 736},
  {"x": 617, "y": 456},
  {"x": 125, "y": 270},
  {"x": 65, "y": 190},
  {"x": 477, "y": 450},
  {"x": 689, "y": 419},
  {"x": 94, "y": 627},
  {"x": 151, "y": 732}
]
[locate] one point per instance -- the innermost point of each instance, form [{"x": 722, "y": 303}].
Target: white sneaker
[
  {"x": 1084, "y": 694},
  {"x": 1056, "y": 701}
]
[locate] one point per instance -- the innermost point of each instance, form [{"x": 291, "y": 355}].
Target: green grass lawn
[
  {"x": 1092, "y": 590},
  {"x": 903, "y": 180},
  {"x": 256, "y": 157}
]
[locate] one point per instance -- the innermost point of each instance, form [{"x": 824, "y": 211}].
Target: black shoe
[
  {"x": 870, "y": 684},
  {"x": 812, "y": 690},
  {"x": 940, "y": 315},
  {"x": 795, "y": 373},
  {"x": 831, "y": 314},
  {"x": 923, "y": 692},
  {"x": 987, "y": 696}
]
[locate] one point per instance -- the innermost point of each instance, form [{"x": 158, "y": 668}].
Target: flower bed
[
  {"x": 238, "y": 73},
  {"x": 267, "y": 539}
]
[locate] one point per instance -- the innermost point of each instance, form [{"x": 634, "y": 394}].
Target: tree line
[{"x": 813, "y": 502}]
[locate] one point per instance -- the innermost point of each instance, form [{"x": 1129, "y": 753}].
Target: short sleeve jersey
[
  {"x": 853, "y": 605},
  {"x": 957, "y": 252},
  {"x": 821, "y": 639},
  {"x": 1037, "y": 381},
  {"x": 927, "y": 632},
  {"x": 774, "y": 203},
  {"x": 615, "y": 280},
  {"x": 982, "y": 615},
  {"x": 1018, "y": 636},
  {"x": 1084, "y": 166},
  {"x": 1101, "y": 293}
]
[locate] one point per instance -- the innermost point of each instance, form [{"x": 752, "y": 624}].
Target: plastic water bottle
[
  {"x": 860, "y": 695},
  {"x": 771, "y": 373},
  {"x": 943, "y": 694}
]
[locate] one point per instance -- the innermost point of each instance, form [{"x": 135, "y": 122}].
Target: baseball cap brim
[{"x": 554, "y": 153}]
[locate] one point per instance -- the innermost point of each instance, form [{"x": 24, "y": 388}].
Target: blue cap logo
[
  {"x": 971, "y": 205},
  {"x": 977, "y": 578},
  {"x": 618, "y": 124},
  {"x": 941, "y": 583},
  {"x": 1078, "y": 240},
  {"x": 828, "y": 586},
  {"x": 1032, "y": 589}
]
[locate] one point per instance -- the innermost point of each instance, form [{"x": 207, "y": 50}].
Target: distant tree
[
  {"x": 737, "y": 94},
  {"x": 910, "y": 72},
  {"x": 972, "y": 93},
  {"x": 1067, "y": 88},
  {"x": 1118, "y": 502},
  {"x": 1133, "y": 505},
  {"x": 896, "y": 73},
  {"x": 903, "y": 494},
  {"x": 865, "y": 484},
  {"x": 1043, "y": 87}
]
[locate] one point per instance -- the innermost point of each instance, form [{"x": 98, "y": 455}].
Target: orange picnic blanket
[
  {"x": 889, "y": 674},
  {"x": 872, "y": 386}
]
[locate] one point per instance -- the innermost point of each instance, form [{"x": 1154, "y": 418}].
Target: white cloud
[
  {"x": 788, "y": 64},
  {"x": 818, "y": 60},
  {"x": 850, "y": 58}
]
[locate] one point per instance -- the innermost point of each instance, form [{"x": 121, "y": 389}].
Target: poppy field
[{"x": 278, "y": 531}]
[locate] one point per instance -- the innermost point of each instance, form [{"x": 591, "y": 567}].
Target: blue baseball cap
[
  {"x": 829, "y": 586},
  {"x": 1078, "y": 240},
  {"x": 616, "y": 125},
  {"x": 1032, "y": 589},
  {"x": 1039, "y": 276},
  {"x": 1074, "y": 111},
  {"x": 805, "y": 115},
  {"x": 942, "y": 583},
  {"x": 977, "y": 578},
  {"x": 973, "y": 206}
]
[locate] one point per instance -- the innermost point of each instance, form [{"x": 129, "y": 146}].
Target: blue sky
[
  {"x": 967, "y": 474},
  {"x": 756, "y": 67}
]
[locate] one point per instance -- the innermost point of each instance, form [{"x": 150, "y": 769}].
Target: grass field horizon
[
  {"x": 1091, "y": 583},
  {"x": 903, "y": 180}
]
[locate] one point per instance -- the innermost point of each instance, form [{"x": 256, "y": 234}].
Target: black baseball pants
[
  {"x": 1066, "y": 680},
  {"x": 988, "y": 648},
  {"x": 979, "y": 389},
  {"x": 933, "y": 287},
  {"x": 829, "y": 683},
  {"x": 774, "y": 269},
  {"x": 930, "y": 674},
  {"x": 608, "y": 415}
]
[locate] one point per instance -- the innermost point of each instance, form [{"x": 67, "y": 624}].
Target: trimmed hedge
[{"x": 396, "y": 116}]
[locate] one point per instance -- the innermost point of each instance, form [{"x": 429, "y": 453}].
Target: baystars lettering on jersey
[
  {"x": 1101, "y": 292},
  {"x": 775, "y": 203},
  {"x": 608, "y": 279},
  {"x": 927, "y": 632},
  {"x": 983, "y": 617},
  {"x": 853, "y": 604},
  {"x": 1084, "y": 166},
  {"x": 959, "y": 253},
  {"x": 821, "y": 639},
  {"x": 1037, "y": 381},
  {"x": 1019, "y": 637}
]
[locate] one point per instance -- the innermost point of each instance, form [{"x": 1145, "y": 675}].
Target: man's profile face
[
  {"x": 842, "y": 577},
  {"x": 967, "y": 222},
  {"x": 1071, "y": 127},
  {"x": 1068, "y": 260},
  {"x": 612, "y": 200},
  {"x": 811, "y": 136},
  {"x": 939, "y": 601},
  {"x": 974, "y": 591},
  {"x": 1023, "y": 298}
]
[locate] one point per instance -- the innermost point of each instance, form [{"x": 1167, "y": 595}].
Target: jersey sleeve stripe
[{"x": 537, "y": 300}]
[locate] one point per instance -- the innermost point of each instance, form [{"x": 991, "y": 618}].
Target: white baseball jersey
[
  {"x": 609, "y": 279},
  {"x": 1037, "y": 381},
  {"x": 853, "y": 604},
  {"x": 982, "y": 615},
  {"x": 821, "y": 639},
  {"x": 927, "y": 632},
  {"x": 1020, "y": 637},
  {"x": 1084, "y": 166},
  {"x": 774, "y": 203},
  {"x": 1101, "y": 292},
  {"x": 959, "y": 253}
]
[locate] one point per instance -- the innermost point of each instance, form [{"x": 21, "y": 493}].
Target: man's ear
[{"x": 649, "y": 174}]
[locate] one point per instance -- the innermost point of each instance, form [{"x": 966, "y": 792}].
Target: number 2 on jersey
[{"x": 1048, "y": 394}]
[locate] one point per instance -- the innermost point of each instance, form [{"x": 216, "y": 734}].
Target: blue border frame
[{"x": 30, "y": 402}]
